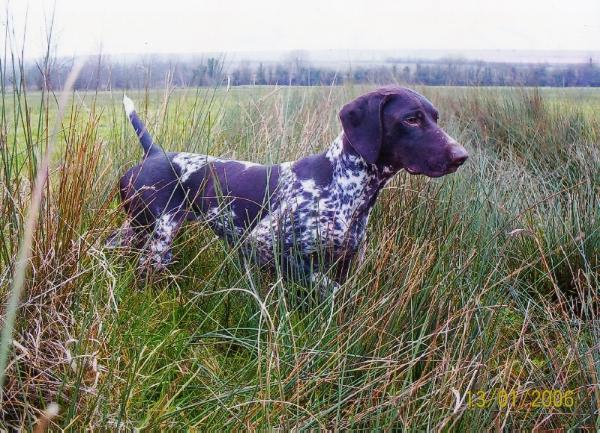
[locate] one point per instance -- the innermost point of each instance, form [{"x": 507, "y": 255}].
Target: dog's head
[{"x": 397, "y": 128}]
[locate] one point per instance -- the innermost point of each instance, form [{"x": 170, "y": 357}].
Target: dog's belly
[{"x": 291, "y": 231}]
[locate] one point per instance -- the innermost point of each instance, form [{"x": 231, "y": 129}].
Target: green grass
[{"x": 483, "y": 280}]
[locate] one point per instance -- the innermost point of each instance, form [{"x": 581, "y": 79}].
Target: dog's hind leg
[{"x": 158, "y": 250}]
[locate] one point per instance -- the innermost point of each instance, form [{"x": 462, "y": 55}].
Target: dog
[{"x": 307, "y": 216}]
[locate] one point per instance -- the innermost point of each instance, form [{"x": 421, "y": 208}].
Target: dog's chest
[{"x": 309, "y": 217}]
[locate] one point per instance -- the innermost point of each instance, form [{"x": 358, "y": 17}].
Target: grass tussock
[{"x": 483, "y": 280}]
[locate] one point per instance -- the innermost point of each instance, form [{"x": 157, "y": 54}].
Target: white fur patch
[
  {"x": 335, "y": 150},
  {"x": 189, "y": 163},
  {"x": 128, "y": 105}
]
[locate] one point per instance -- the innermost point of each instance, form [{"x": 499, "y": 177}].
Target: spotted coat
[{"x": 327, "y": 214}]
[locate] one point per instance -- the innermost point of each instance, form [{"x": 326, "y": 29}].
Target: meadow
[{"x": 476, "y": 286}]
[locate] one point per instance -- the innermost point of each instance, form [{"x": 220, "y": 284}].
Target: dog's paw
[
  {"x": 167, "y": 259},
  {"x": 325, "y": 285},
  {"x": 154, "y": 264}
]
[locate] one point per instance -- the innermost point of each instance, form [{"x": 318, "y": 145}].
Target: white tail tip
[{"x": 128, "y": 105}]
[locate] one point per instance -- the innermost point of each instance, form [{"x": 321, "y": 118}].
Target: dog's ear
[{"x": 362, "y": 122}]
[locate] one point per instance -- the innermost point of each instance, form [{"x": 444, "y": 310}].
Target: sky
[{"x": 186, "y": 26}]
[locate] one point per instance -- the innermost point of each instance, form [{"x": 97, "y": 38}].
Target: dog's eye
[{"x": 412, "y": 121}]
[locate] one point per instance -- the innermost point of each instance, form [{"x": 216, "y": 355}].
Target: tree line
[{"x": 105, "y": 74}]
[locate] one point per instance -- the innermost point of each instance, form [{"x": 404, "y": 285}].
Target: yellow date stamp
[{"x": 520, "y": 400}]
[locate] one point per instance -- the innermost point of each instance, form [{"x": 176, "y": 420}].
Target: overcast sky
[{"x": 186, "y": 26}]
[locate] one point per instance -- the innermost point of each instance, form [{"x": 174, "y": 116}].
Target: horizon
[{"x": 369, "y": 57}]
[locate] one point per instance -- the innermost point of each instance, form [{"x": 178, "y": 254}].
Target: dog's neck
[
  {"x": 361, "y": 181},
  {"x": 346, "y": 160}
]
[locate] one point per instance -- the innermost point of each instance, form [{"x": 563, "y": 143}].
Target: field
[{"x": 483, "y": 283}]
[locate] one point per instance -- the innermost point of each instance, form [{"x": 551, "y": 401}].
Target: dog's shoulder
[{"x": 317, "y": 168}]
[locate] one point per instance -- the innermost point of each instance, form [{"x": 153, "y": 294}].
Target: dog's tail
[{"x": 140, "y": 129}]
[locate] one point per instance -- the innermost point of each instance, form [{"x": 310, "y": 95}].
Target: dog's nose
[{"x": 458, "y": 155}]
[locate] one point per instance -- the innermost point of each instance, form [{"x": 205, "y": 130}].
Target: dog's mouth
[
  {"x": 452, "y": 168},
  {"x": 429, "y": 173},
  {"x": 433, "y": 173}
]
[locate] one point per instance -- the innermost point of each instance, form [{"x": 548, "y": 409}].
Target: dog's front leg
[{"x": 306, "y": 270}]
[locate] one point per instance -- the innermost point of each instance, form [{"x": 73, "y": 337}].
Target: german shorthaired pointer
[{"x": 309, "y": 215}]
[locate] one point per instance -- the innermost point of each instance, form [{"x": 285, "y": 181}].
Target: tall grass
[{"x": 482, "y": 280}]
